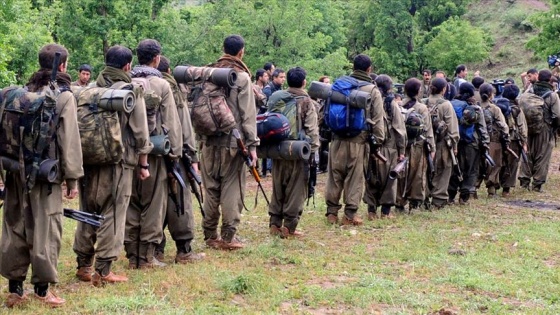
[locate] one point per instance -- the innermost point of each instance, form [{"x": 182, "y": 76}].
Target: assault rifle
[
  {"x": 176, "y": 196},
  {"x": 247, "y": 157},
  {"x": 524, "y": 156},
  {"x": 312, "y": 179},
  {"x": 431, "y": 166},
  {"x": 194, "y": 180},
  {"x": 84, "y": 217},
  {"x": 454, "y": 161}
]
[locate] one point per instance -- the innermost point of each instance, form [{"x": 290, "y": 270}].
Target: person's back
[
  {"x": 348, "y": 156},
  {"x": 222, "y": 166},
  {"x": 542, "y": 120},
  {"x": 289, "y": 178},
  {"x": 148, "y": 201},
  {"x": 32, "y": 224},
  {"x": 106, "y": 189}
]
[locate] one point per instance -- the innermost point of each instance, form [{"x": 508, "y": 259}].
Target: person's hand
[
  {"x": 254, "y": 157},
  {"x": 433, "y": 155},
  {"x": 477, "y": 73},
  {"x": 455, "y": 152},
  {"x": 401, "y": 157},
  {"x": 525, "y": 147},
  {"x": 524, "y": 74},
  {"x": 195, "y": 168},
  {"x": 143, "y": 174},
  {"x": 70, "y": 193}
]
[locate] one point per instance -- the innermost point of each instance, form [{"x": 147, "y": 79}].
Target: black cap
[
  {"x": 509, "y": 81},
  {"x": 85, "y": 67}
]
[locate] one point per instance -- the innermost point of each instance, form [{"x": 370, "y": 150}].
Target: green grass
[{"x": 487, "y": 258}]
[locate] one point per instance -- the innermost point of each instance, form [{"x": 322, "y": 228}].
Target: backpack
[
  {"x": 28, "y": 123},
  {"x": 153, "y": 101},
  {"x": 488, "y": 118},
  {"x": 210, "y": 113},
  {"x": 439, "y": 126},
  {"x": 414, "y": 123},
  {"x": 290, "y": 106},
  {"x": 272, "y": 128},
  {"x": 466, "y": 127},
  {"x": 99, "y": 126},
  {"x": 345, "y": 120},
  {"x": 533, "y": 108}
]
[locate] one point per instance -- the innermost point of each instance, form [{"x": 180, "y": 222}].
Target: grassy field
[{"x": 495, "y": 256}]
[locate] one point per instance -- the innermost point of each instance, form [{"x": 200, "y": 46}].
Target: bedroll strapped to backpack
[
  {"x": 27, "y": 129},
  {"x": 210, "y": 87},
  {"x": 343, "y": 119},
  {"x": 414, "y": 123},
  {"x": 533, "y": 108},
  {"x": 99, "y": 122}
]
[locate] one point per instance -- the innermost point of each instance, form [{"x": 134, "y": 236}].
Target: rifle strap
[{"x": 243, "y": 199}]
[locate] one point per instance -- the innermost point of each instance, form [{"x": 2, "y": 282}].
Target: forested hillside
[{"x": 402, "y": 36}]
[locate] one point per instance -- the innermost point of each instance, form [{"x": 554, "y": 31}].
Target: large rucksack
[
  {"x": 438, "y": 125},
  {"x": 209, "y": 90},
  {"x": 99, "y": 124},
  {"x": 533, "y": 108},
  {"x": 28, "y": 123},
  {"x": 466, "y": 126},
  {"x": 288, "y": 105},
  {"x": 344, "y": 120}
]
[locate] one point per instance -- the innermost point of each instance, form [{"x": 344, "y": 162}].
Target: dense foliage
[{"x": 401, "y": 36}]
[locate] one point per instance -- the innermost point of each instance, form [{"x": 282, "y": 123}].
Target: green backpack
[
  {"x": 533, "y": 108},
  {"x": 288, "y": 105},
  {"x": 99, "y": 121}
]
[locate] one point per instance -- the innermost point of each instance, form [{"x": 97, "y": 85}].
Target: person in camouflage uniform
[
  {"x": 348, "y": 157},
  {"x": 474, "y": 140},
  {"x": 499, "y": 137},
  {"x": 420, "y": 142},
  {"x": 181, "y": 227},
  {"x": 221, "y": 164},
  {"x": 517, "y": 125},
  {"x": 32, "y": 222},
  {"x": 106, "y": 189},
  {"x": 289, "y": 178},
  {"x": 446, "y": 134},
  {"x": 380, "y": 190},
  {"x": 540, "y": 143},
  {"x": 148, "y": 202}
]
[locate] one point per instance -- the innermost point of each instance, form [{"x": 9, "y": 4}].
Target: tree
[
  {"x": 456, "y": 41},
  {"x": 546, "y": 42},
  {"x": 22, "y": 34}
]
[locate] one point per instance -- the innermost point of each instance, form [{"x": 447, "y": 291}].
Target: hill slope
[{"x": 507, "y": 22}]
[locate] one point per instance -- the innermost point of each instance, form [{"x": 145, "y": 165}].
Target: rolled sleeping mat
[
  {"x": 105, "y": 98},
  {"x": 224, "y": 77},
  {"x": 48, "y": 168},
  {"x": 357, "y": 98},
  {"x": 48, "y": 171},
  {"x": 285, "y": 150},
  {"x": 117, "y": 100},
  {"x": 162, "y": 145}
]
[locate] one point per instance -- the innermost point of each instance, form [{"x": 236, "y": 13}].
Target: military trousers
[
  {"x": 493, "y": 172},
  {"x": 224, "y": 176},
  {"x": 289, "y": 191},
  {"x": 380, "y": 190},
  {"x": 510, "y": 168},
  {"x": 181, "y": 226},
  {"x": 346, "y": 174},
  {"x": 469, "y": 163},
  {"x": 413, "y": 186},
  {"x": 444, "y": 168},
  {"x": 104, "y": 190},
  {"x": 144, "y": 217},
  {"x": 31, "y": 231},
  {"x": 539, "y": 152}
]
